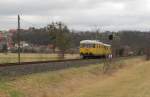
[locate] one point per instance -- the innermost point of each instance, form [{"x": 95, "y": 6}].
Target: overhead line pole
[{"x": 18, "y": 38}]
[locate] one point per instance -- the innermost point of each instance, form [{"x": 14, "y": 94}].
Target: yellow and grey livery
[{"x": 94, "y": 48}]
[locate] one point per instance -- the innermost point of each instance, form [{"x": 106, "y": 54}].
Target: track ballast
[{"x": 15, "y": 69}]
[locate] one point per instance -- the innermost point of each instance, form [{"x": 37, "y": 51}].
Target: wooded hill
[{"x": 59, "y": 35}]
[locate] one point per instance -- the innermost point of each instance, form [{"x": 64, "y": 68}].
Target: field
[
  {"x": 13, "y": 58},
  {"x": 132, "y": 80}
]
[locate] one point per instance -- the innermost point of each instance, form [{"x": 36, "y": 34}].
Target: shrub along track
[{"x": 14, "y": 69}]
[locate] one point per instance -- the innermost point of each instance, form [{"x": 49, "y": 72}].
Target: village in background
[{"x": 57, "y": 37}]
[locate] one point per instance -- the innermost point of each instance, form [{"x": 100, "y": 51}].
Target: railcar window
[
  {"x": 93, "y": 45},
  {"x": 96, "y": 45},
  {"x": 99, "y": 46}
]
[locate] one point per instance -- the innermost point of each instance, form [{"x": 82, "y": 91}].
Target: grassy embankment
[
  {"x": 13, "y": 58},
  {"x": 130, "y": 81}
]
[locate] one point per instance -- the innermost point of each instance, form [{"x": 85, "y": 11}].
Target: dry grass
[
  {"x": 131, "y": 81},
  {"x": 13, "y": 58}
]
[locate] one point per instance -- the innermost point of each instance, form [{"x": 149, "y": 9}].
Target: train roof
[
  {"x": 106, "y": 44},
  {"x": 90, "y": 41},
  {"x": 93, "y": 42}
]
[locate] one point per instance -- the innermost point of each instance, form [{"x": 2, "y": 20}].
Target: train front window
[
  {"x": 91, "y": 45},
  {"x": 83, "y": 45},
  {"x": 87, "y": 45}
]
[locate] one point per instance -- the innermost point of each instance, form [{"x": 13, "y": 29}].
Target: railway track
[{"x": 15, "y": 69}]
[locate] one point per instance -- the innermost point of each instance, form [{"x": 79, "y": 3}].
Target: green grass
[
  {"x": 6, "y": 89},
  {"x": 15, "y": 93}
]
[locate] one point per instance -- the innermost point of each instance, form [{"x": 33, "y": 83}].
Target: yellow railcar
[{"x": 93, "y": 48}]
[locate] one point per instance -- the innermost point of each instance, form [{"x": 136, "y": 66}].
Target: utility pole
[
  {"x": 18, "y": 38},
  {"x": 96, "y": 28},
  {"x": 147, "y": 49},
  {"x": 97, "y": 33},
  {"x": 113, "y": 45}
]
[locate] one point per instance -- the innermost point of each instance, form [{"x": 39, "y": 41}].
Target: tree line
[{"x": 61, "y": 37}]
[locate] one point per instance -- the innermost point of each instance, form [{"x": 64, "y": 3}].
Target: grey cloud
[{"x": 109, "y": 14}]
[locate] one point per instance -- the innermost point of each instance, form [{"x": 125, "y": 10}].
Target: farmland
[
  {"x": 29, "y": 57},
  {"x": 132, "y": 80}
]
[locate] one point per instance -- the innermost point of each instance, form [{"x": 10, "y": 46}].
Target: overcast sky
[{"x": 77, "y": 14}]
